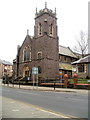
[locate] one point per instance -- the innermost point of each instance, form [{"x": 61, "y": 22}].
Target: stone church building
[{"x": 41, "y": 50}]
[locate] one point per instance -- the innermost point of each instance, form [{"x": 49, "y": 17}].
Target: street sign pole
[
  {"x": 35, "y": 72},
  {"x": 33, "y": 80},
  {"x": 37, "y": 81}
]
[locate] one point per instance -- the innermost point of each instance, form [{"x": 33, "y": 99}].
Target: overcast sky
[{"x": 16, "y": 16}]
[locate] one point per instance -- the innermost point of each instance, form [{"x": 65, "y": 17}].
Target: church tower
[{"x": 45, "y": 43}]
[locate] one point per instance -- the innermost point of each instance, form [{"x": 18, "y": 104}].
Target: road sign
[{"x": 34, "y": 70}]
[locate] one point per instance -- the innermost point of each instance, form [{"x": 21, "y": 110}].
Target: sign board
[{"x": 34, "y": 70}]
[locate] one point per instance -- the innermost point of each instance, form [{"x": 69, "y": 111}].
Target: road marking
[{"x": 15, "y": 110}]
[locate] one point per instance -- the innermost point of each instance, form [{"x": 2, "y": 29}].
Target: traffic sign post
[{"x": 35, "y": 72}]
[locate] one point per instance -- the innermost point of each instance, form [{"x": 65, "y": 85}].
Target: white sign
[{"x": 34, "y": 70}]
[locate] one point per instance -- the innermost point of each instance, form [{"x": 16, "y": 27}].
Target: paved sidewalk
[
  {"x": 17, "y": 109},
  {"x": 82, "y": 91}
]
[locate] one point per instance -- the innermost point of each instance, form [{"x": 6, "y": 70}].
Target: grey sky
[{"x": 16, "y": 16}]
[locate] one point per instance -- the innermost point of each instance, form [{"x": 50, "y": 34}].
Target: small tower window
[
  {"x": 39, "y": 29},
  {"x": 39, "y": 55},
  {"x": 51, "y": 29}
]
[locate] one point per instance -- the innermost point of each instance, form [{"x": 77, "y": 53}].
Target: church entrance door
[{"x": 26, "y": 71}]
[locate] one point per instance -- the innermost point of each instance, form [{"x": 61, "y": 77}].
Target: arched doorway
[{"x": 26, "y": 71}]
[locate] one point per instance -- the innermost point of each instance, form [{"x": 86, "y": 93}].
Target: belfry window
[
  {"x": 51, "y": 29},
  {"x": 27, "y": 54},
  {"x": 39, "y": 29}
]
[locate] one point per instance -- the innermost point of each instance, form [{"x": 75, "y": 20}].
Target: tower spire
[
  {"x": 45, "y": 4},
  {"x": 36, "y": 9},
  {"x": 27, "y": 32},
  {"x": 55, "y": 10}
]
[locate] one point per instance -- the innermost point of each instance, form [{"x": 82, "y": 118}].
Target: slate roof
[
  {"x": 5, "y": 62},
  {"x": 65, "y": 66},
  {"x": 66, "y": 51},
  {"x": 82, "y": 60}
]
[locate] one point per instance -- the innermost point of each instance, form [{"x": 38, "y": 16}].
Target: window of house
[
  {"x": 65, "y": 58},
  {"x": 27, "y": 54},
  {"x": 39, "y": 55},
  {"x": 81, "y": 68}
]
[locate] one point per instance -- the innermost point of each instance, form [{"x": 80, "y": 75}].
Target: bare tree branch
[{"x": 82, "y": 43}]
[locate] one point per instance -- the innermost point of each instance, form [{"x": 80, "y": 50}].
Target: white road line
[{"x": 15, "y": 110}]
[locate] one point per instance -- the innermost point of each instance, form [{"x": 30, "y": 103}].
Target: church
[{"x": 41, "y": 50}]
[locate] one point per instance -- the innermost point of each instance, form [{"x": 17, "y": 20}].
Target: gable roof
[
  {"x": 5, "y": 62},
  {"x": 28, "y": 37},
  {"x": 82, "y": 60},
  {"x": 66, "y": 51}
]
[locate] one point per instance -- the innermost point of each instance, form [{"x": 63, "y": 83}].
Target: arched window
[
  {"x": 27, "y": 54},
  {"x": 39, "y": 69},
  {"x": 39, "y": 29},
  {"x": 39, "y": 55},
  {"x": 51, "y": 29}
]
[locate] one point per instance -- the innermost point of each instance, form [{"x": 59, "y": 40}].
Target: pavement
[
  {"x": 17, "y": 109},
  {"x": 82, "y": 91}
]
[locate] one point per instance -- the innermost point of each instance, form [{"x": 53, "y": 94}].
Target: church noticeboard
[{"x": 34, "y": 70}]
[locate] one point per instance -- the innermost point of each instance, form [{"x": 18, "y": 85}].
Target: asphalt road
[{"x": 71, "y": 104}]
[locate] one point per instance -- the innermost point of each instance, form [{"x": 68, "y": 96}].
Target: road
[{"x": 69, "y": 104}]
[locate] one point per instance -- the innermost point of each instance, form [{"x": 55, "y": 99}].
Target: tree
[{"x": 82, "y": 44}]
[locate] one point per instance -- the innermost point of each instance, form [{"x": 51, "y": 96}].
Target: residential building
[
  {"x": 81, "y": 66},
  {"x": 5, "y": 68},
  {"x": 66, "y": 56}
]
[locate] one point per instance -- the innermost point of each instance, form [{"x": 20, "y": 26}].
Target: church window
[
  {"x": 27, "y": 54},
  {"x": 39, "y": 29},
  {"x": 51, "y": 29},
  {"x": 39, "y": 70},
  {"x": 39, "y": 55}
]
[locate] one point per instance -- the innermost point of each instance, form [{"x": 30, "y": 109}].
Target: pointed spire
[
  {"x": 36, "y": 10},
  {"x": 27, "y": 32},
  {"x": 45, "y": 4},
  {"x": 55, "y": 10}
]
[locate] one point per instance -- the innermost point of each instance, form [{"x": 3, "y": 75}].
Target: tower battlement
[{"x": 46, "y": 11}]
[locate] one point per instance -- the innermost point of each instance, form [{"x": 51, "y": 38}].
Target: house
[
  {"x": 82, "y": 67},
  {"x": 66, "y": 56},
  {"x": 5, "y": 68}
]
